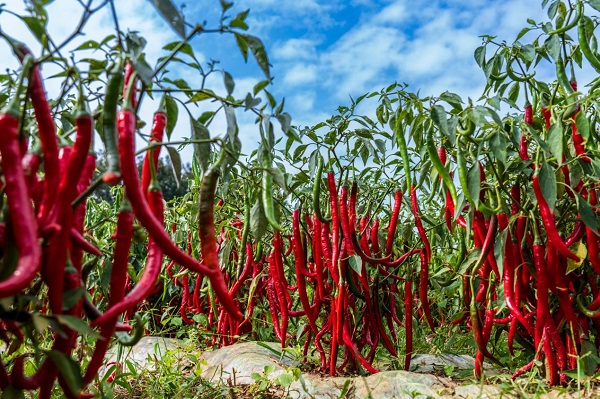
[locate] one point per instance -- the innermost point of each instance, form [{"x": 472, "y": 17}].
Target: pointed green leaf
[
  {"x": 583, "y": 125},
  {"x": 438, "y": 115},
  {"x": 474, "y": 183},
  {"x": 258, "y": 50},
  {"x": 258, "y": 220},
  {"x": 69, "y": 369},
  {"x": 76, "y": 324},
  {"x": 229, "y": 83},
  {"x": 170, "y": 13},
  {"x": 175, "y": 163},
  {"x": 555, "y": 140},
  {"x": 201, "y": 150},
  {"x": 548, "y": 184},
  {"x": 172, "y": 114},
  {"x": 587, "y": 214}
]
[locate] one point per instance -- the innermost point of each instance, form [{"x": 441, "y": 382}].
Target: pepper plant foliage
[{"x": 476, "y": 216}]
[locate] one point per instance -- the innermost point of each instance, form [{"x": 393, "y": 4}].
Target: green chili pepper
[
  {"x": 138, "y": 332},
  {"x": 561, "y": 74},
  {"x": 573, "y": 22},
  {"x": 401, "y": 141},
  {"x": 584, "y": 45},
  {"x": 439, "y": 166},
  {"x": 317, "y": 191},
  {"x": 267, "y": 189}
]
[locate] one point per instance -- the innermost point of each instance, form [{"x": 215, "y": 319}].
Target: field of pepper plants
[{"x": 354, "y": 240}]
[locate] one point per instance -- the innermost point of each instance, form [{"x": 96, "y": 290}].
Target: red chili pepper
[
  {"x": 126, "y": 127},
  {"x": 393, "y": 222},
  {"x": 378, "y": 319},
  {"x": 274, "y": 307},
  {"x": 300, "y": 263},
  {"x": 156, "y": 136},
  {"x": 79, "y": 241},
  {"x": 542, "y": 310},
  {"x": 442, "y": 154},
  {"x": 23, "y": 220},
  {"x": 408, "y": 323},
  {"x": 46, "y": 128},
  {"x": 425, "y": 258},
  {"x": 351, "y": 240},
  {"x": 550, "y": 223},
  {"x": 510, "y": 265},
  {"x": 355, "y": 353},
  {"x": 128, "y": 72},
  {"x": 118, "y": 273},
  {"x": 147, "y": 281}
]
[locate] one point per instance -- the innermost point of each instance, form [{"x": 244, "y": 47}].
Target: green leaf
[
  {"x": 356, "y": 264},
  {"x": 474, "y": 183},
  {"x": 258, "y": 50},
  {"x": 438, "y": 115},
  {"x": 469, "y": 261},
  {"x": 76, "y": 324},
  {"x": 37, "y": 29},
  {"x": 587, "y": 214},
  {"x": 242, "y": 44},
  {"x": 548, "y": 185},
  {"x": 278, "y": 177},
  {"x": 453, "y": 99},
  {"x": 595, "y": 4},
  {"x": 589, "y": 355},
  {"x": 202, "y": 95},
  {"x": 170, "y": 13},
  {"x": 40, "y": 322},
  {"x": 583, "y": 125},
  {"x": 185, "y": 48},
  {"x": 225, "y": 5},
  {"x": 135, "y": 44},
  {"x": 175, "y": 163},
  {"x": 522, "y": 33},
  {"x": 145, "y": 71},
  {"x": 285, "y": 380},
  {"x": 172, "y": 113},
  {"x": 285, "y": 120},
  {"x": 553, "y": 46},
  {"x": 88, "y": 45},
  {"x": 201, "y": 150},
  {"x": 513, "y": 91},
  {"x": 258, "y": 221},
  {"x": 69, "y": 369},
  {"x": 555, "y": 140},
  {"x": 71, "y": 297},
  {"x": 552, "y": 9},
  {"x": 240, "y": 20},
  {"x": 499, "y": 145},
  {"x": 499, "y": 250},
  {"x": 480, "y": 56},
  {"x": 229, "y": 83},
  {"x": 579, "y": 249}
]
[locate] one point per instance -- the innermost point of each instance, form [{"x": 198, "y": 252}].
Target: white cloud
[
  {"x": 392, "y": 14},
  {"x": 294, "y": 50},
  {"x": 300, "y": 74}
]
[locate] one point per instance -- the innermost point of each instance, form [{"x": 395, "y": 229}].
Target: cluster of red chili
[{"x": 46, "y": 226}]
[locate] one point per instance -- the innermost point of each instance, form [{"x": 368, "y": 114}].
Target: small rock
[
  {"x": 147, "y": 353},
  {"x": 397, "y": 384},
  {"x": 237, "y": 363}
]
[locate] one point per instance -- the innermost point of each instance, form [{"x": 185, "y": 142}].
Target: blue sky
[{"x": 321, "y": 52}]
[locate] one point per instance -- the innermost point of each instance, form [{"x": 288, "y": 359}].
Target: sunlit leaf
[{"x": 169, "y": 12}]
